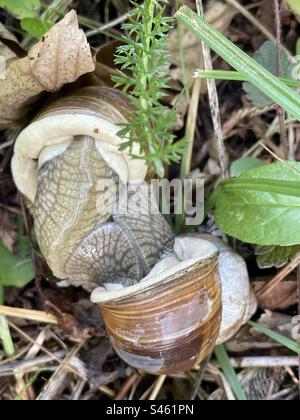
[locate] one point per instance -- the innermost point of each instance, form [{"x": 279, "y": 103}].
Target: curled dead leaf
[
  {"x": 258, "y": 384},
  {"x": 61, "y": 57},
  {"x": 281, "y": 297}
]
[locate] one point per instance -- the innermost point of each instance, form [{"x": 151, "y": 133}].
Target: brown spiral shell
[{"x": 170, "y": 326}]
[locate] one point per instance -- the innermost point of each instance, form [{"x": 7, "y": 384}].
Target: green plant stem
[
  {"x": 5, "y": 336},
  {"x": 229, "y": 372},
  {"x": 187, "y": 156},
  {"x": 238, "y": 77},
  {"x": 240, "y": 61},
  {"x": 281, "y": 339},
  {"x": 103, "y": 29},
  {"x": 94, "y": 26},
  {"x": 145, "y": 104},
  {"x": 182, "y": 54}
]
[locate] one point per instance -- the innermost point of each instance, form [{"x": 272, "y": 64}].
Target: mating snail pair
[{"x": 160, "y": 296}]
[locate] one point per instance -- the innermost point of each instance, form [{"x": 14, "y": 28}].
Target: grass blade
[
  {"x": 240, "y": 61},
  {"x": 229, "y": 372},
  {"x": 238, "y": 77},
  {"x": 5, "y": 336},
  {"x": 286, "y": 342}
]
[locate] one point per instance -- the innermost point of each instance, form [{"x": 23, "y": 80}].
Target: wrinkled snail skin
[{"x": 63, "y": 155}]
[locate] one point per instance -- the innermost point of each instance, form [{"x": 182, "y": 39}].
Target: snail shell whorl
[
  {"x": 238, "y": 299},
  {"x": 94, "y": 112},
  {"x": 170, "y": 321}
]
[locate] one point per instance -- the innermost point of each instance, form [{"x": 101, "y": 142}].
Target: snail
[
  {"x": 238, "y": 299},
  {"x": 99, "y": 226}
]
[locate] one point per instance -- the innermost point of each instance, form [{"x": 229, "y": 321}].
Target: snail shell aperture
[{"x": 170, "y": 321}]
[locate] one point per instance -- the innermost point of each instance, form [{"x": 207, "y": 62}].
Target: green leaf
[
  {"x": 275, "y": 256},
  {"x": 298, "y": 47},
  {"x": 266, "y": 56},
  {"x": 240, "y": 61},
  {"x": 295, "y": 6},
  {"x": 229, "y": 373},
  {"x": 36, "y": 27},
  {"x": 16, "y": 270},
  {"x": 281, "y": 339},
  {"x": 262, "y": 206},
  {"x": 22, "y": 9},
  {"x": 244, "y": 164}
]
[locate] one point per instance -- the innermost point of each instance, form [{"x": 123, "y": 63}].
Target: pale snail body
[
  {"x": 160, "y": 298},
  {"x": 238, "y": 300},
  {"x": 80, "y": 235}
]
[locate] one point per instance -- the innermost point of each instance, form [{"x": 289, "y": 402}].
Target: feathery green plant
[{"x": 144, "y": 64}]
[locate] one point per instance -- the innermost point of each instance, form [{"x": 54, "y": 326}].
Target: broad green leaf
[
  {"x": 16, "y": 270},
  {"x": 229, "y": 372},
  {"x": 295, "y": 6},
  {"x": 266, "y": 56},
  {"x": 262, "y": 206},
  {"x": 275, "y": 256},
  {"x": 36, "y": 27},
  {"x": 244, "y": 164},
  {"x": 298, "y": 47},
  {"x": 281, "y": 339},
  {"x": 22, "y": 8},
  {"x": 240, "y": 61}
]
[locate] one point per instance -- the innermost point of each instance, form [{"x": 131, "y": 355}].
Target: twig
[
  {"x": 78, "y": 390},
  {"x": 5, "y": 336},
  {"x": 226, "y": 386},
  {"x": 6, "y": 144},
  {"x": 148, "y": 391},
  {"x": 251, "y": 18},
  {"x": 214, "y": 101},
  {"x": 188, "y": 152},
  {"x": 271, "y": 152},
  {"x": 283, "y": 393},
  {"x": 126, "y": 387},
  {"x": 190, "y": 129},
  {"x": 26, "y": 366},
  {"x": 104, "y": 389},
  {"x": 108, "y": 25},
  {"x": 199, "y": 377},
  {"x": 279, "y": 277},
  {"x": 264, "y": 361},
  {"x": 158, "y": 385},
  {"x": 280, "y": 111},
  {"x": 58, "y": 379},
  {"x": 30, "y": 315}
]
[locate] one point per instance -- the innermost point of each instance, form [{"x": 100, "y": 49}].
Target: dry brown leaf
[
  {"x": 248, "y": 338},
  {"x": 258, "y": 384},
  {"x": 281, "y": 297},
  {"x": 278, "y": 322},
  {"x": 61, "y": 57}
]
